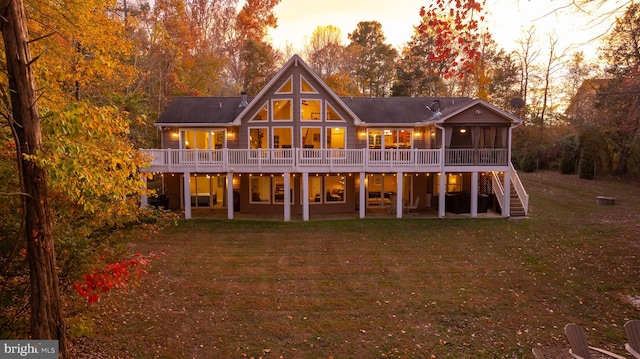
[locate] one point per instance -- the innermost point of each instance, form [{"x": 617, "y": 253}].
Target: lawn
[{"x": 383, "y": 288}]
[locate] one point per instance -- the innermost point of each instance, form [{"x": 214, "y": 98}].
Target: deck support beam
[
  {"x": 187, "y": 194},
  {"x": 287, "y": 197},
  {"x": 305, "y": 196},
  {"x": 363, "y": 193},
  {"x": 230, "y": 203}
]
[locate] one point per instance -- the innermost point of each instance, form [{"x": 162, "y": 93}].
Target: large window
[
  {"x": 328, "y": 189},
  {"x": 331, "y": 113},
  {"x": 453, "y": 183},
  {"x": 258, "y": 138},
  {"x": 310, "y": 110},
  {"x": 208, "y": 191},
  {"x": 267, "y": 189},
  {"x": 203, "y": 139},
  {"x": 282, "y": 137},
  {"x": 311, "y": 137},
  {"x": 282, "y": 110},
  {"x": 262, "y": 114},
  {"x": 286, "y": 87},
  {"x": 336, "y": 137},
  {"x": 390, "y": 138},
  {"x": 278, "y": 189},
  {"x": 260, "y": 189}
]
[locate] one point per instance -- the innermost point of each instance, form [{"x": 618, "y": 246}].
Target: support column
[
  {"x": 305, "y": 196},
  {"x": 506, "y": 211},
  {"x": 442, "y": 194},
  {"x": 399, "y": 200},
  {"x": 187, "y": 195},
  {"x": 287, "y": 197},
  {"x": 474, "y": 194},
  {"x": 230, "y": 204},
  {"x": 144, "y": 198},
  {"x": 363, "y": 195}
]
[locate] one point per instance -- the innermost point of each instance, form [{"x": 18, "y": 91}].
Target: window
[
  {"x": 329, "y": 189},
  {"x": 334, "y": 189},
  {"x": 208, "y": 191},
  {"x": 203, "y": 139},
  {"x": 258, "y": 138},
  {"x": 453, "y": 183},
  {"x": 311, "y": 137},
  {"x": 262, "y": 114},
  {"x": 278, "y": 189},
  {"x": 375, "y": 139},
  {"x": 336, "y": 137},
  {"x": 260, "y": 189},
  {"x": 287, "y": 87},
  {"x": 282, "y": 110},
  {"x": 391, "y": 138},
  {"x": 305, "y": 86},
  {"x": 332, "y": 115},
  {"x": 282, "y": 137},
  {"x": 310, "y": 110}
]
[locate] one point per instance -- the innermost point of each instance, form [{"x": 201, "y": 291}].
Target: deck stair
[{"x": 518, "y": 197}]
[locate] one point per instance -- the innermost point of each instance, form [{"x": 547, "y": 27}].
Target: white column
[
  {"x": 305, "y": 196},
  {"x": 287, "y": 197},
  {"x": 441, "y": 195},
  {"x": 187, "y": 195},
  {"x": 474, "y": 194},
  {"x": 144, "y": 198},
  {"x": 230, "y": 203},
  {"x": 506, "y": 211},
  {"x": 399, "y": 200},
  {"x": 363, "y": 193}
]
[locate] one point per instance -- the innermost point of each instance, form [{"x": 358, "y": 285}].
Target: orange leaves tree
[
  {"x": 452, "y": 30},
  {"x": 76, "y": 166}
]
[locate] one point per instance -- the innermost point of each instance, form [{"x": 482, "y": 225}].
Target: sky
[{"x": 507, "y": 18}]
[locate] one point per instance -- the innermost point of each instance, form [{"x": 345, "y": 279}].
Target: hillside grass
[{"x": 384, "y": 288}]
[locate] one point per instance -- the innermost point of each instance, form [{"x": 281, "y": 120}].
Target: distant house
[
  {"x": 586, "y": 99},
  {"x": 296, "y": 148}
]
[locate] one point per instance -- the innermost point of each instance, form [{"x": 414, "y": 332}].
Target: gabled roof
[
  {"x": 370, "y": 111},
  {"x": 295, "y": 61},
  {"x": 400, "y": 110},
  {"x": 198, "y": 111},
  {"x": 477, "y": 102}
]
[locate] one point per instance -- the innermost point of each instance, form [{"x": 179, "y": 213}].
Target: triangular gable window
[
  {"x": 305, "y": 86},
  {"x": 332, "y": 114},
  {"x": 262, "y": 114},
  {"x": 287, "y": 87}
]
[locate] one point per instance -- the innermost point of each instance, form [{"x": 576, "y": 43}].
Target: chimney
[{"x": 244, "y": 102}]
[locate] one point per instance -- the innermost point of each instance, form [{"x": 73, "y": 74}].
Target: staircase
[
  {"x": 518, "y": 197},
  {"x": 516, "y": 208}
]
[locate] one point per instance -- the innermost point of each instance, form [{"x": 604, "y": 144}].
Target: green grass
[{"x": 453, "y": 288}]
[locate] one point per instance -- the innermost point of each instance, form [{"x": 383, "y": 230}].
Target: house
[{"x": 296, "y": 148}]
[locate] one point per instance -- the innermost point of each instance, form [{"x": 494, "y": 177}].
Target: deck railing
[{"x": 242, "y": 160}]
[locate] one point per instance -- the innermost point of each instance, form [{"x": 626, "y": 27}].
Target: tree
[
  {"x": 455, "y": 29},
  {"x": 415, "y": 74},
  {"x": 527, "y": 56},
  {"x": 374, "y": 58},
  {"x": 260, "y": 60},
  {"x": 325, "y": 51},
  {"x": 47, "y": 321}
]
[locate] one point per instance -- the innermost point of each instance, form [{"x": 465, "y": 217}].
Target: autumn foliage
[
  {"x": 119, "y": 275},
  {"x": 455, "y": 29}
]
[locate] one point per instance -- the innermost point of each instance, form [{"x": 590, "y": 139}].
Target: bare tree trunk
[{"x": 47, "y": 321}]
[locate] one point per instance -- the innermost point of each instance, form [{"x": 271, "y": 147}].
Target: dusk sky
[{"x": 298, "y": 18}]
